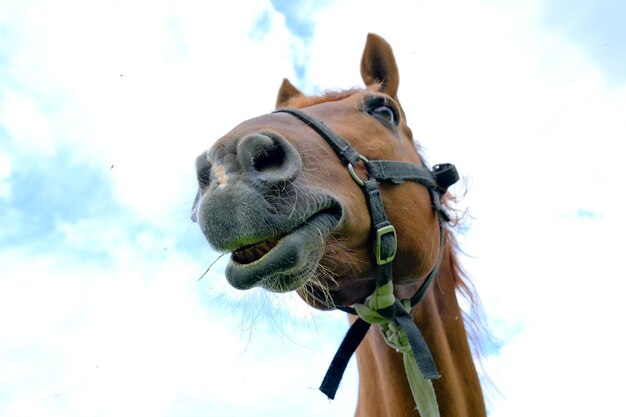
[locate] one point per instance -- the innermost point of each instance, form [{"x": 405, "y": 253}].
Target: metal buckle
[
  {"x": 353, "y": 173},
  {"x": 385, "y": 230}
]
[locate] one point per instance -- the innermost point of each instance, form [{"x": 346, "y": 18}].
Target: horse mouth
[
  {"x": 254, "y": 252},
  {"x": 286, "y": 261}
]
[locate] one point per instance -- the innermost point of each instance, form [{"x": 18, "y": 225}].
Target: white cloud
[
  {"x": 144, "y": 86},
  {"x": 5, "y": 172},
  {"x": 25, "y": 123},
  {"x": 142, "y": 337}
]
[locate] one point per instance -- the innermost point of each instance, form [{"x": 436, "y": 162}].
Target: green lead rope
[
  {"x": 421, "y": 388},
  {"x": 395, "y": 336}
]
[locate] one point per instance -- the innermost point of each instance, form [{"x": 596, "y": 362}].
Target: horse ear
[
  {"x": 378, "y": 65},
  {"x": 285, "y": 93}
]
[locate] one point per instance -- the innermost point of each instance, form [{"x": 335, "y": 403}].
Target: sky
[{"x": 104, "y": 106}]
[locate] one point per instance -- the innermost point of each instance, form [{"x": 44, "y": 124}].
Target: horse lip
[
  {"x": 333, "y": 208},
  {"x": 252, "y": 251},
  {"x": 272, "y": 243},
  {"x": 280, "y": 269}
]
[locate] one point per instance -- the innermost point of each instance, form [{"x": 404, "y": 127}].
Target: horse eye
[{"x": 386, "y": 113}]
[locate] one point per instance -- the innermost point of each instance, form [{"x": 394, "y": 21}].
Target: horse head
[
  {"x": 329, "y": 194},
  {"x": 276, "y": 196}
]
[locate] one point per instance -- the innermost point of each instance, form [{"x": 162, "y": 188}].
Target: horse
[{"x": 329, "y": 196}]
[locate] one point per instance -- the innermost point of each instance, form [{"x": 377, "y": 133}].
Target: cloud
[
  {"x": 141, "y": 99},
  {"x": 5, "y": 172},
  {"x": 568, "y": 305},
  {"x": 299, "y": 16},
  {"x": 596, "y": 27},
  {"x": 136, "y": 337},
  {"x": 25, "y": 122}
]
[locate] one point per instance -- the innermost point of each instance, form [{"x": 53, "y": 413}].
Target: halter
[{"x": 382, "y": 308}]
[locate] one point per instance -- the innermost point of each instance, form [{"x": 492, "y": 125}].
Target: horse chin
[
  {"x": 284, "y": 263},
  {"x": 341, "y": 293}
]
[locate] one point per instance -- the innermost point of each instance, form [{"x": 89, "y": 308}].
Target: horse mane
[
  {"x": 478, "y": 335},
  {"x": 473, "y": 313},
  {"x": 476, "y": 328}
]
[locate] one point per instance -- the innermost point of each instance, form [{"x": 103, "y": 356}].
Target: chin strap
[{"x": 382, "y": 308}]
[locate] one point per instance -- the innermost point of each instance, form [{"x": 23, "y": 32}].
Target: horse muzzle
[{"x": 251, "y": 203}]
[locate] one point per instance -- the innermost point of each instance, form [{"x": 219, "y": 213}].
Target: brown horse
[{"x": 275, "y": 194}]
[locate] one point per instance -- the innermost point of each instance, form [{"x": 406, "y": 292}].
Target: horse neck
[{"x": 383, "y": 387}]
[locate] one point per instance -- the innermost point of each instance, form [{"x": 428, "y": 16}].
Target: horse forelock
[{"x": 302, "y": 101}]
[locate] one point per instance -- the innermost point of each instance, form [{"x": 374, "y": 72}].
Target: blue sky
[
  {"x": 104, "y": 106},
  {"x": 597, "y": 28}
]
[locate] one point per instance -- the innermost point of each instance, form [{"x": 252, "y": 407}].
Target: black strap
[
  {"x": 421, "y": 292},
  {"x": 354, "y": 337},
  {"x": 385, "y": 239},
  {"x": 421, "y": 353},
  {"x": 346, "y": 152},
  {"x": 398, "y": 172},
  {"x": 337, "y": 367}
]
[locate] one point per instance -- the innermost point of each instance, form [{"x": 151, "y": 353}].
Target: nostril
[
  {"x": 203, "y": 171},
  {"x": 204, "y": 177},
  {"x": 269, "y": 159}
]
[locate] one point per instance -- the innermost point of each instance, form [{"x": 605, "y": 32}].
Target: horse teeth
[{"x": 249, "y": 254}]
